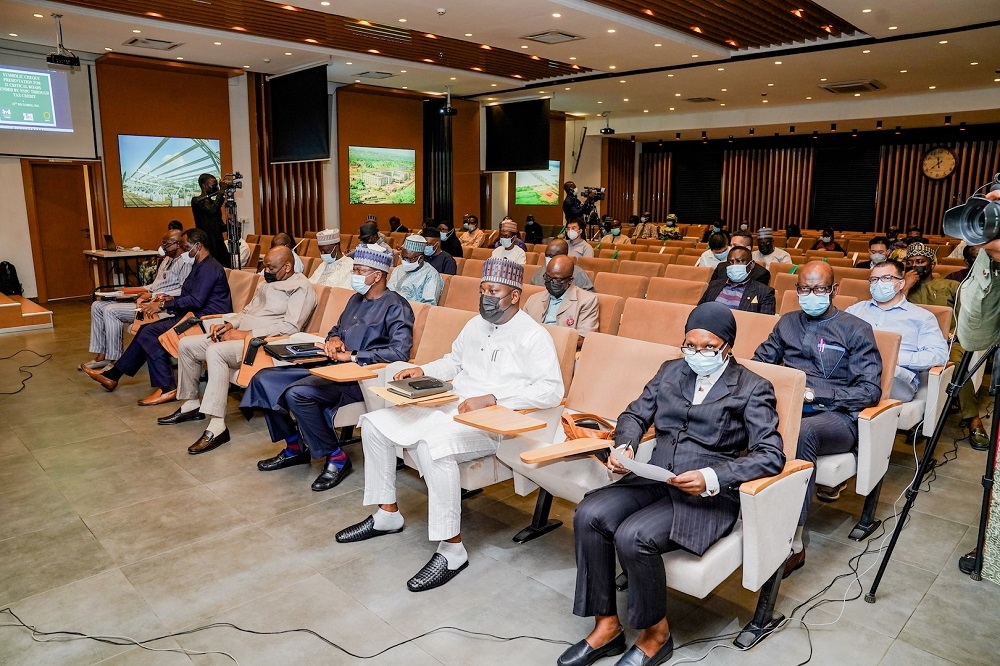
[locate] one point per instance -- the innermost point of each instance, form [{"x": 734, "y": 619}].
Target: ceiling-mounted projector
[
  {"x": 62, "y": 56},
  {"x": 448, "y": 109},
  {"x": 607, "y": 130}
]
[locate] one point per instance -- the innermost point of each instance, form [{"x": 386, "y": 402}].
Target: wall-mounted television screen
[
  {"x": 382, "y": 175},
  {"x": 537, "y": 188},
  {"x": 517, "y": 136},
  {"x": 162, "y": 171}
]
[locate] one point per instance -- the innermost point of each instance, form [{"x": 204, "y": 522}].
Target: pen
[{"x": 822, "y": 344}]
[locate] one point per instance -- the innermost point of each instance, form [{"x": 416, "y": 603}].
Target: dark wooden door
[{"x": 63, "y": 222}]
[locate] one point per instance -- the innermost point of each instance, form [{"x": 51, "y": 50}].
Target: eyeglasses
[
  {"x": 883, "y": 278},
  {"x": 548, "y": 279},
  {"x": 166, "y": 245},
  {"x": 821, "y": 290},
  {"x": 691, "y": 350}
]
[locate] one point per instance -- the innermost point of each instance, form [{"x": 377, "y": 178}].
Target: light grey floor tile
[
  {"x": 10, "y": 443},
  {"x": 108, "y": 489},
  {"x": 240, "y": 456},
  {"x": 40, "y": 408},
  {"x": 93, "y": 454},
  {"x": 28, "y": 507},
  {"x": 139, "y": 657},
  {"x": 60, "y": 430},
  {"x": 20, "y": 469},
  {"x": 901, "y": 653}
]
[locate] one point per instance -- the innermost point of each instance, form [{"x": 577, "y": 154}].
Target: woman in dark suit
[
  {"x": 706, "y": 409},
  {"x": 739, "y": 290}
]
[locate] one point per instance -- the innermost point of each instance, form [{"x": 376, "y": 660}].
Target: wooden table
[{"x": 112, "y": 264}]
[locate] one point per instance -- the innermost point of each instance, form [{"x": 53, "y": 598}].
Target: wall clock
[{"x": 938, "y": 163}]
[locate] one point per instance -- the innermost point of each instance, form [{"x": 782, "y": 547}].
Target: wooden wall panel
[
  {"x": 655, "y": 178},
  {"x": 618, "y": 176},
  {"x": 906, "y": 197},
  {"x": 767, "y": 187}
]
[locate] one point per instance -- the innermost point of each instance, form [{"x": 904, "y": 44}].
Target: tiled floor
[{"x": 108, "y": 526}]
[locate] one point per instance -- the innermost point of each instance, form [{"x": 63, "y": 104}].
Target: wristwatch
[
  {"x": 809, "y": 395},
  {"x": 354, "y": 357}
]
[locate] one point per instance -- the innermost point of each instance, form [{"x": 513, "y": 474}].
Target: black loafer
[
  {"x": 636, "y": 657},
  {"x": 582, "y": 654},
  {"x": 208, "y": 441},
  {"x": 283, "y": 460},
  {"x": 433, "y": 574},
  {"x": 181, "y": 417},
  {"x": 362, "y": 531},
  {"x": 967, "y": 563},
  {"x": 331, "y": 476}
]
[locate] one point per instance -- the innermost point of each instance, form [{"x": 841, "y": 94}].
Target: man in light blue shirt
[
  {"x": 414, "y": 279},
  {"x": 923, "y": 346}
]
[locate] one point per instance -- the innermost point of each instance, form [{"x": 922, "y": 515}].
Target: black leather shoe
[
  {"x": 433, "y": 574},
  {"x": 331, "y": 476},
  {"x": 208, "y": 441},
  {"x": 283, "y": 460},
  {"x": 361, "y": 531},
  {"x": 636, "y": 657},
  {"x": 181, "y": 417},
  {"x": 582, "y": 654},
  {"x": 967, "y": 563}
]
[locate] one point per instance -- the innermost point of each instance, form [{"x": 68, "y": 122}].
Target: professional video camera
[
  {"x": 594, "y": 193},
  {"x": 233, "y": 182},
  {"x": 977, "y": 221},
  {"x": 234, "y": 225}
]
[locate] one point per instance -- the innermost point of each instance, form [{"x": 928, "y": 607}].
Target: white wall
[
  {"x": 239, "y": 128},
  {"x": 16, "y": 245},
  {"x": 331, "y": 170}
]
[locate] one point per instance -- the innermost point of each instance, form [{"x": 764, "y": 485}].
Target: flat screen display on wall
[
  {"x": 299, "y": 116},
  {"x": 382, "y": 175},
  {"x": 538, "y": 188},
  {"x": 162, "y": 171},
  {"x": 517, "y": 136}
]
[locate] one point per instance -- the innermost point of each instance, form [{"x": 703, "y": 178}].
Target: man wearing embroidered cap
[
  {"x": 335, "y": 270},
  {"x": 415, "y": 279},
  {"x": 766, "y": 254},
  {"x": 506, "y": 247},
  {"x": 501, "y": 357},
  {"x": 375, "y": 327}
]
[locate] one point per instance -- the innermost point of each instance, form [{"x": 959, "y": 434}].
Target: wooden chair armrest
[
  {"x": 529, "y": 410},
  {"x": 883, "y": 406},
  {"x": 211, "y": 316},
  {"x": 757, "y": 485},
  {"x": 569, "y": 448},
  {"x": 938, "y": 369}
]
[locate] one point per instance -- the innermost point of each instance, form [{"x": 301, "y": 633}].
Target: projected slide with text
[{"x": 26, "y": 99}]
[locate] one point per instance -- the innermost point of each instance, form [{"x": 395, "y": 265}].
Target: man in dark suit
[
  {"x": 706, "y": 410},
  {"x": 737, "y": 290},
  {"x": 758, "y": 273}
]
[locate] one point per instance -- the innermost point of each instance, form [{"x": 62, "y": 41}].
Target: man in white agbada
[{"x": 501, "y": 357}]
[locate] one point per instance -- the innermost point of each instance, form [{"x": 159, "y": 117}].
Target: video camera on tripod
[
  {"x": 594, "y": 193},
  {"x": 234, "y": 225}
]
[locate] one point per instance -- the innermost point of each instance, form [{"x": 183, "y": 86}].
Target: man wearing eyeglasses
[
  {"x": 737, "y": 289},
  {"x": 923, "y": 346},
  {"x": 843, "y": 369},
  {"x": 108, "y": 318},
  {"x": 562, "y": 303}
]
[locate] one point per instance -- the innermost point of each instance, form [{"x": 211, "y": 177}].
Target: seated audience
[
  {"x": 369, "y": 234},
  {"x": 766, "y": 254},
  {"x": 793, "y": 231},
  {"x": 286, "y": 240},
  {"x": 757, "y": 272},
  {"x": 532, "y": 231},
  {"x": 562, "y": 303},
  {"x": 375, "y": 327},
  {"x": 718, "y": 227},
  {"x": 175, "y": 225},
  {"x": 108, "y": 318},
  {"x": 501, "y": 357},
  {"x": 473, "y": 236},
  {"x": 578, "y": 246},
  {"x": 707, "y": 411},
  {"x": 669, "y": 230},
  {"x": 645, "y": 228},
  {"x": 614, "y": 235},
  {"x": 396, "y": 227},
  {"x": 204, "y": 292},
  {"x": 335, "y": 269},
  {"x": 415, "y": 279},
  {"x": 878, "y": 251},
  {"x": 282, "y": 305},
  {"x": 516, "y": 237},
  {"x": 969, "y": 254},
  {"x": 738, "y": 290},
  {"x": 915, "y": 235},
  {"x": 922, "y": 347},
  {"x": 718, "y": 250},
  {"x": 843, "y": 369},
  {"x": 449, "y": 241},
  {"x": 443, "y": 262},
  {"x": 506, "y": 247},
  {"x": 555, "y": 248},
  {"x": 827, "y": 243}
]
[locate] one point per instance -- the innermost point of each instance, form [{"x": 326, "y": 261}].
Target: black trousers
[
  {"x": 823, "y": 434},
  {"x": 635, "y": 521}
]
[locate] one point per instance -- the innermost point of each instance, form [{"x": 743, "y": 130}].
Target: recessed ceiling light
[
  {"x": 973, "y": 63},
  {"x": 107, "y": 48},
  {"x": 725, "y": 89},
  {"x": 808, "y": 97},
  {"x": 541, "y": 92},
  {"x": 611, "y": 30},
  {"x": 566, "y": 88},
  {"x": 866, "y": 11},
  {"x": 677, "y": 94},
  {"x": 180, "y": 58},
  {"x": 822, "y": 79},
  {"x": 405, "y": 87},
  {"x": 38, "y": 16},
  {"x": 867, "y": 51},
  {"x": 402, "y": 20},
  {"x": 625, "y": 99},
  {"x": 722, "y": 104},
  {"x": 671, "y": 108},
  {"x": 931, "y": 87},
  {"x": 670, "y": 76},
  {"x": 903, "y": 71},
  {"x": 12, "y": 34},
  {"x": 491, "y": 99},
  {"x": 777, "y": 62},
  {"x": 217, "y": 43},
  {"x": 645, "y": 110},
  {"x": 765, "y": 101},
  {"x": 857, "y": 94},
  {"x": 893, "y": 27},
  {"x": 722, "y": 69},
  {"x": 770, "y": 85},
  {"x": 694, "y": 55},
  {"x": 453, "y": 78},
  {"x": 612, "y": 67},
  {"x": 288, "y": 53},
  {"x": 348, "y": 63},
  {"x": 995, "y": 80},
  {"x": 137, "y": 31},
  {"x": 524, "y": 46},
  {"x": 325, "y": 3},
  {"x": 621, "y": 81},
  {"x": 556, "y": 15},
  {"x": 657, "y": 44},
  {"x": 357, "y": 80},
  {"x": 244, "y": 66},
  {"x": 572, "y": 57},
  {"x": 493, "y": 85},
  {"x": 402, "y": 71},
  {"x": 468, "y": 34},
  {"x": 600, "y": 102}
]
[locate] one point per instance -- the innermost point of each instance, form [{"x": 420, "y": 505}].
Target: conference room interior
[{"x": 859, "y": 117}]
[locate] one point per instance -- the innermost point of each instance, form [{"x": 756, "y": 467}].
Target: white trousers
[
  {"x": 107, "y": 325},
  {"x": 220, "y": 357},
  {"x": 444, "y": 488}
]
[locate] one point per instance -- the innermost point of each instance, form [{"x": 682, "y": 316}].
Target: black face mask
[
  {"x": 922, "y": 271},
  {"x": 766, "y": 248},
  {"x": 270, "y": 277},
  {"x": 489, "y": 308},
  {"x": 556, "y": 288}
]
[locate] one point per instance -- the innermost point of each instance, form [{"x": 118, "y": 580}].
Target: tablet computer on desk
[
  {"x": 294, "y": 351},
  {"x": 418, "y": 387}
]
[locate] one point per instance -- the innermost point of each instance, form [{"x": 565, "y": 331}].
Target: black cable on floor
[{"x": 24, "y": 382}]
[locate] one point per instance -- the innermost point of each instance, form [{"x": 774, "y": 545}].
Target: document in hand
[{"x": 645, "y": 470}]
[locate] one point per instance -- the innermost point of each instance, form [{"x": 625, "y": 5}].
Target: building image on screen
[
  {"x": 538, "y": 188},
  {"x": 162, "y": 171},
  {"x": 382, "y": 175}
]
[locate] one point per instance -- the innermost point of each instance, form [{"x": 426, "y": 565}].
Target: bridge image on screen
[
  {"x": 161, "y": 171},
  {"x": 537, "y": 188}
]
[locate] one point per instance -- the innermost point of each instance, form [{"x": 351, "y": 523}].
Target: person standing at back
[{"x": 207, "y": 211}]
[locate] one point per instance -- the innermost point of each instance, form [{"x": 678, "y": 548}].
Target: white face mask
[
  {"x": 572, "y": 234},
  {"x": 547, "y": 260},
  {"x": 188, "y": 258},
  {"x": 876, "y": 258},
  {"x": 409, "y": 266},
  {"x": 160, "y": 251}
]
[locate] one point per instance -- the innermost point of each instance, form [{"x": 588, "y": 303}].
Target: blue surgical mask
[
  {"x": 705, "y": 365},
  {"x": 722, "y": 256},
  {"x": 359, "y": 285},
  {"x": 505, "y": 243},
  {"x": 814, "y": 304},
  {"x": 883, "y": 292},
  {"x": 826, "y": 239},
  {"x": 737, "y": 272},
  {"x": 616, "y": 232},
  {"x": 428, "y": 250},
  {"x": 445, "y": 235},
  {"x": 328, "y": 258}
]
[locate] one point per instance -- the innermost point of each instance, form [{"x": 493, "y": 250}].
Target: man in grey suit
[{"x": 706, "y": 410}]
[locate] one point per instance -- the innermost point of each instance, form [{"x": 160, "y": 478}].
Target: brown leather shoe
[
  {"x": 208, "y": 441},
  {"x": 794, "y": 562},
  {"x": 158, "y": 398},
  {"x": 108, "y": 384}
]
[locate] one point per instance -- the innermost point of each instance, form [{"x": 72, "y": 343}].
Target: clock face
[{"x": 938, "y": 163}]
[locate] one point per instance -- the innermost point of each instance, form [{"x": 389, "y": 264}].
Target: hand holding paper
[{"x": 645, "y": 470}]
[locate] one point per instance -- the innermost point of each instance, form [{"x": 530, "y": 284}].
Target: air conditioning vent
[
  {"x": 701, "y": 100},
  {"x": 852, "y": 87},
  {"x": 374, "y": 75},
  {"x": 552, "y": 37},
  {"x": 157, "y": 44},
  {"x": 372, "y": 30}
]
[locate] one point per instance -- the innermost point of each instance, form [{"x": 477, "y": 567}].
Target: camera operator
[
  {"x": 573, "y": 208},
  {"x": 979, "y": 316},
  {"x": 207, "y": 211}
]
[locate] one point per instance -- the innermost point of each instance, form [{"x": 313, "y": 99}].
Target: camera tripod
[{"x": 962, "y": 375}]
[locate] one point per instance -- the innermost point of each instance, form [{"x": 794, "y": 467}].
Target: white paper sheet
[{"x": 645, "y": 470}]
